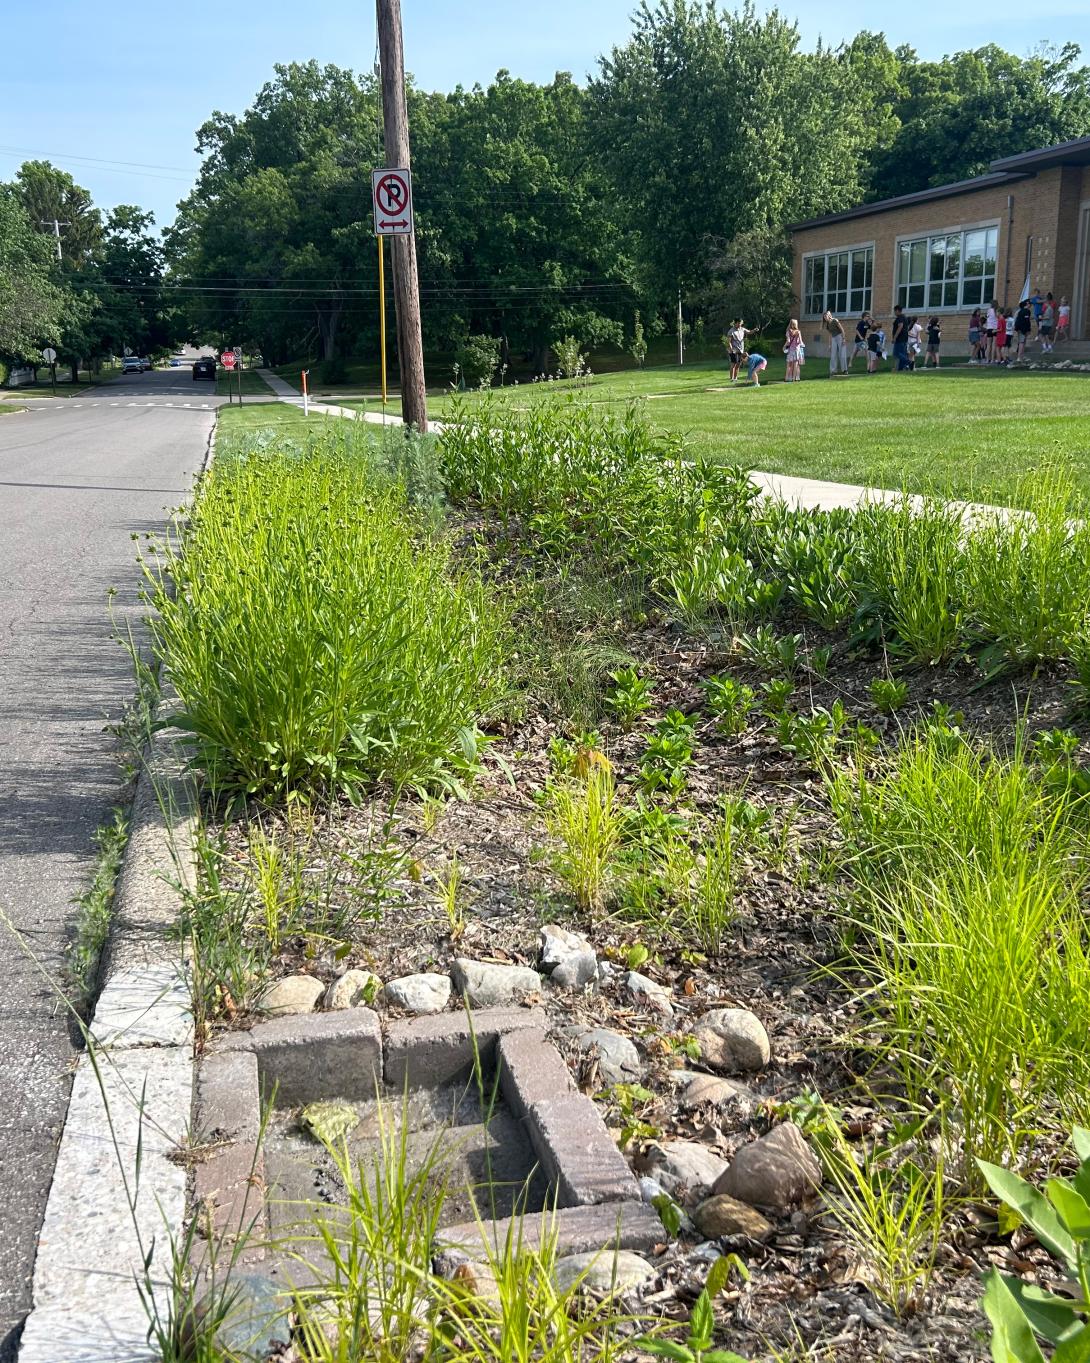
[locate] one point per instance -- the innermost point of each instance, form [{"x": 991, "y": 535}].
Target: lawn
[
  {"x": 260, "y": 416},
  {"x": 252, "y": 382}
]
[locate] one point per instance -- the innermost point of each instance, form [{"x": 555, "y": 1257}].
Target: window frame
[
  {"x": 927, "y": 237},
  {"x": 826, "y": 255}
]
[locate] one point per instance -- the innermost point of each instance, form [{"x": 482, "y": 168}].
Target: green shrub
[
  {"x": 478, "y": 360},
  {"x": 317, "y": 639}
]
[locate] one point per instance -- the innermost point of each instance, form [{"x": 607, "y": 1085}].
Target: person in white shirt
[
  {"x": 736, "y": 346},
  {"x": 991, "y": 326}
]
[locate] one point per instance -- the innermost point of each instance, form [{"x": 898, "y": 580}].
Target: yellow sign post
[{"x": 382, "y": 314}]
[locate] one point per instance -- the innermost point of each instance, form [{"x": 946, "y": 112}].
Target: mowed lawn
[{"x": 975, "y": 434}]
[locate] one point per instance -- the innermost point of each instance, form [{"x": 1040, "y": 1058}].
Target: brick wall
[{"x": 1042, "y": 212}]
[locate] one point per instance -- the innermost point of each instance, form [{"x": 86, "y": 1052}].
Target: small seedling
[
  {"x": 820, "y": 659},
  {"x": 450, "y": 897},
  {"x": 698, "y": 1346},
  {"x": 669, "y": 753},
  {"x": 630, "y": 697},
  {"x": 888, "y": 696},
  {"x": 772, "y": 652},
  {"x": 778, "y": 692},
  {"x": 730, "y": 702}
]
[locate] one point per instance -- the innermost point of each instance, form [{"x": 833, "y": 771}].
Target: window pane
[
  {"x": 934, "y": 294},
  {"x": 990, "y": 252},
  {"x": 971, "y": 294},
  {"x": 903, "y": 259},
  {"x": 950, "y": 294},
  {"x": 859, "y": 269},
  {"x": 915, "y": 296},
  {"x": 918, "y": 261},
  {"x": 859, "y": 300},
  {"x": 953, "y": 258},
  {"x": 937, "y": 259}
]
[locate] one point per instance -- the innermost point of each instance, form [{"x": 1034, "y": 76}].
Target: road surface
[{"x": 78, "y": 478}]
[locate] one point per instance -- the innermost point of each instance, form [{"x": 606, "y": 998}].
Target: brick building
[{"x": 948, "y": 249}]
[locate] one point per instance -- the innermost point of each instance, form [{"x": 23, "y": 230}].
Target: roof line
[{"x": 988, "y": 181}]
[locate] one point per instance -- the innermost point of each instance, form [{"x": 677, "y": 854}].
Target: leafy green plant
[
  {"x": 888, "y": 695},
  {"x": 1060, "y": 1218},
  {"x": 630, "y": 696},
  {"x": 585, "y": 817},
  {"x": 820, "y": 659},
  {"x": 772, "y": 652},
  {"x": 710, "y": 909},
  {"x": 778, "y": 692},
  {"x": 276, "y": 874},
  {"x": 698, "y": 1344},
  {"x": 730, "y": 702},
  {"x": 669, "y": 753},
  {"x": 633, "y": 1102},
  {"x": 450, "y": 887},
  {"x": 814, "y": 555}
]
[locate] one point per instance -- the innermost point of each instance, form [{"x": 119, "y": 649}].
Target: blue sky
[{"x": 95, "y": 86}]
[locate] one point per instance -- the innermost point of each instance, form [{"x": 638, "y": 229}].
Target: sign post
[
  {"x": 392, "y": 199},
  {"x": 227, "y": 359},
  {"x": 49, "y": 355},
  {"x": 306, "y": 395}
]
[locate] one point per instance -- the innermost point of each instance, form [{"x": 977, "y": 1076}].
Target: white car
[{"x": 132, "y": 364}]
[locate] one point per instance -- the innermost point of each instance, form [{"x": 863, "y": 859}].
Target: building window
[
  {"x": 838, "y": 281},
  {"x": 950, "y": 270}
]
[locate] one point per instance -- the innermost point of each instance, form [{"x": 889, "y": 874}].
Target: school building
[{"x": 949, "y": 249}]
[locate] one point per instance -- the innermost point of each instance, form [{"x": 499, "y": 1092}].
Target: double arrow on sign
[{"x": 404, "y": 222}]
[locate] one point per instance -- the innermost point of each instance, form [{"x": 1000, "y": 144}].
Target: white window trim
[
  {"x": 832, "y": 251},
  {"x": 961, "y": 309}
]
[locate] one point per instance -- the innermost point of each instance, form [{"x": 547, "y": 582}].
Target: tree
[
  {"x": 713, "y": 123},
  {"x": 49, "y": 195},
  {"x": 751, "y": 277},
  {"x": 31, "y": 305}
]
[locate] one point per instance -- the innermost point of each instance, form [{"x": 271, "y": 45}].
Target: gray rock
[
  {"x": 650, "y": 1188},
  {"x": 294, "y": 994},
  {"x": 493, "y": 986},
  {"x": 686, "y": 1169},
  {"x": 778, "y": 1170},
  {"x": 606, "y": 972},
  {"x": 602, "y": 1273},
  {"x": 723, "y": 1215},
  {"x": 353, "y": 989},
  {"x": 425, "y": 993},
  {"x": 732, "y": 1039},
  {"x": 618, "y": 1058},
  {"x": 256, "y": 1325},
  {"x": 649, "y": 992},
  {"x": 569, "y": 956},
  {"x": 702, "y": 1090}
]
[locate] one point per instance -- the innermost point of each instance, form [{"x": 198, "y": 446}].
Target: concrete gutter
[{"x": 118, "y": 1198}]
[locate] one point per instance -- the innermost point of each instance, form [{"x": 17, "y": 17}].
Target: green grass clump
[
  {"x": 970, "y": 868},
  {"x": 319, "y": 639}
]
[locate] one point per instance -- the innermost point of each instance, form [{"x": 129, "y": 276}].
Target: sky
[{"x": 114, "y": 93}]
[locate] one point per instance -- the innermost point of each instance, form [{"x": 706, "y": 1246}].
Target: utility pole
[
  {"x": 680, "y": 332},
  {"x": 56, "y": 226},
  {"x": 395, "y": 122}
]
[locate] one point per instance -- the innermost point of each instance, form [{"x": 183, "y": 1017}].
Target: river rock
[
  {"x": 294, "y": 994},
  {"x": 257, "y": 1323},
  {"x": 602, "y": 1273},
  {"x": 425, "y": 993},
  {"x": 732, "y": 1039},
  {"x": 722, "y": 1215},
  {"x": 701, "y": 1090},
  {"x": 568, "y": 956},
  {"x": 486, "y": 985},
  {"x": 686, "y": 1169},
  {"x": 649, "y": 992},
  {"x": 353, "y": 989},
  {"x": 778, "y": 1170},
  {"x": 618, "y": 1059}
]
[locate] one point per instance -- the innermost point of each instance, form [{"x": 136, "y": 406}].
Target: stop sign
[{"x": 228, "y": 359}]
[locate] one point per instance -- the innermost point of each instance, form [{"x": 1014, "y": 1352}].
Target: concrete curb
[{"x": 118, "y": 1197}]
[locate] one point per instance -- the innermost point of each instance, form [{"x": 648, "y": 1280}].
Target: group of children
[{"x": 995, "y": 332}]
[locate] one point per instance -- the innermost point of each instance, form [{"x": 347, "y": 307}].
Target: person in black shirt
[
  {"x": 934, "y": 340},
  {"x": 900, "y": 337},
  {"x": 1022, "y": 324},
  {"x": 864, "y": 325}
]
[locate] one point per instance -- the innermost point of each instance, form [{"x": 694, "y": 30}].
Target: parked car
[
  {"x": 146, "y": 362},
  {"x": 132, "y": 364},
  {"x": 205, "y": 368}
]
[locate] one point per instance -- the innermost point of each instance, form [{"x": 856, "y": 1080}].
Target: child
[
  {"x": 1008, "y": 335},
  {"x": 756, "y": 364},
  {"x": 792, "y": 348},
  {"x": 975, "y": 328},
  {"x": 1000, "y": 337},
  {"x": 736, "y": 344},
  {"x": 1048, "y": 321},
  {"x": 915, "y": 341},
  {"x": 876, "y": 340},
  {"x": 934, "y": 340},
  {"x": 1063, "y": 321},
  {"x": 861, "y": 328},
  {"x": 1023, "y": 321}
]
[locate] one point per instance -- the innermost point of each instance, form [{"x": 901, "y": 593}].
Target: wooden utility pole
[{"x": 395, "y": 121}]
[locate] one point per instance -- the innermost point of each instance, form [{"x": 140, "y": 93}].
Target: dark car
[{"x": 205, "y": 368}]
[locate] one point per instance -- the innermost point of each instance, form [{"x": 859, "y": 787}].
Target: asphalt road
[{"x": 78, "y": 478}]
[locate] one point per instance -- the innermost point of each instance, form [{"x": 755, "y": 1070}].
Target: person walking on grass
[
  {"x": 756, "y": 364},
  {"x": 1063, "y": 321},
  {"x": 1023, "y": 321},
  {"x": 915, "y": 341},
  {"x": 793, "y": 349},
  {"x": 736, "y": 346},
  {"x": 861, "y": 328},
  {"x": 975, "y": 326},
  {"x": 934, "y": 340},
  {"x": 838, "y": 344},
  {"x": 900, "y": 338},
  {"x": 1048, "y": 321}
]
